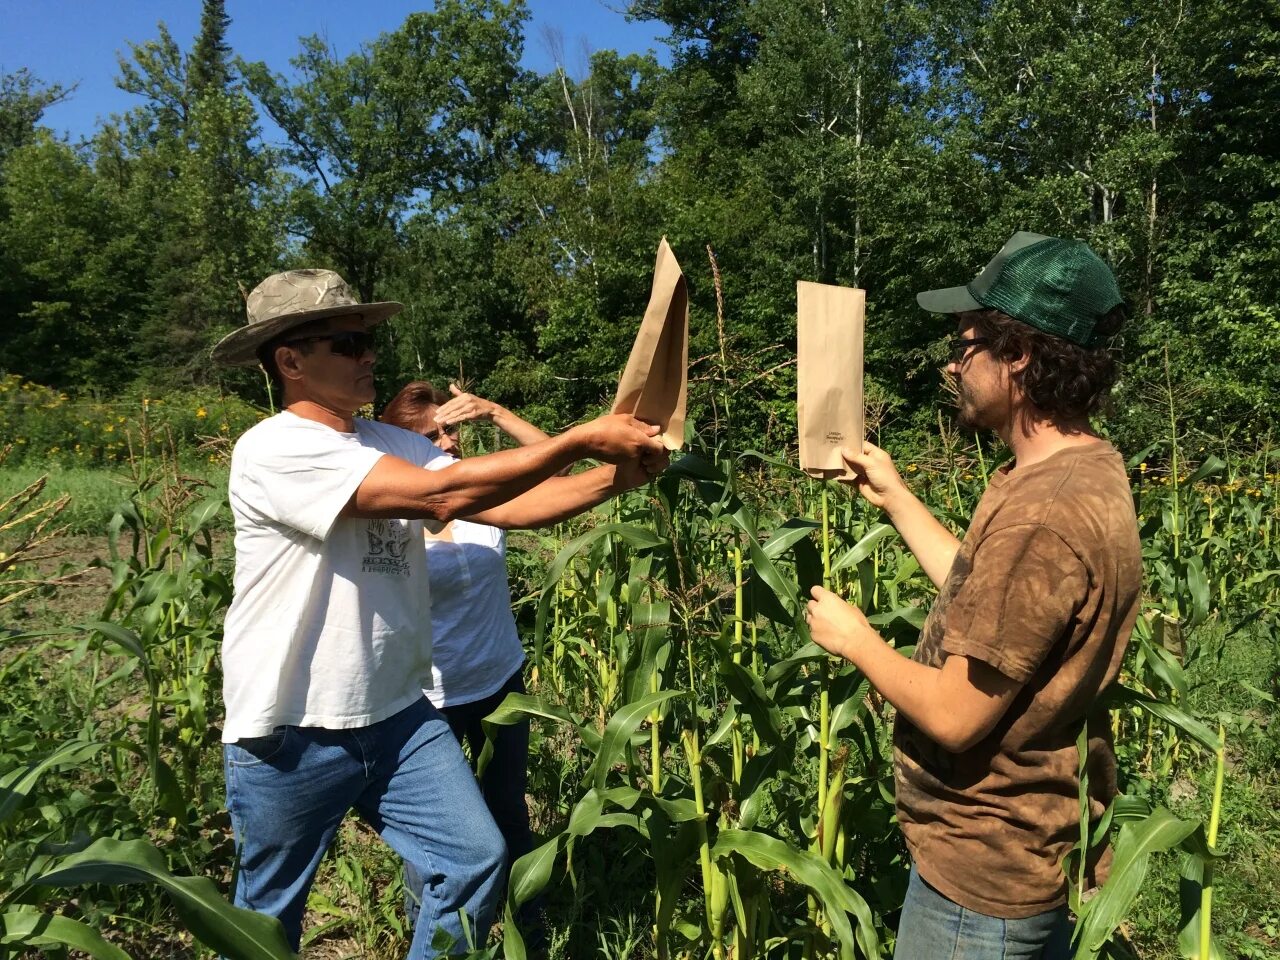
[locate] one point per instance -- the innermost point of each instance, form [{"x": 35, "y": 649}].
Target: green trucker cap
[{"x": 1058, "y": 286}]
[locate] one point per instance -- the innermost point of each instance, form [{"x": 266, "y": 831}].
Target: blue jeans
[
  {"x": 287, "y": 793},
  {"x": 504, "y": 783},
  {"x": 935, "y": 928}
]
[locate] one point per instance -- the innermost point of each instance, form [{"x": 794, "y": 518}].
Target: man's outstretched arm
[
  {"x": 880, "y": 484},
  {"x": 562, "y": 497},
  {"x": 399, "y": 489}
]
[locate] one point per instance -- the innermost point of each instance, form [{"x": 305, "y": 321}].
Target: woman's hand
[
  {"x": 465, "y": 407},
  {"x": 630, "y": 474}
]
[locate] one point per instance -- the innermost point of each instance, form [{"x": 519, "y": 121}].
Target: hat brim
[
  {"x": 948, "y": 300},
  {"x": 240, "y": 347}
]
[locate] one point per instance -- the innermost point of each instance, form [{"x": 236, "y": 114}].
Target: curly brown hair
[{"x": 1062, "y": 379}]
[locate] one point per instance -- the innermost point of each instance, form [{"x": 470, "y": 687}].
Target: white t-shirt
[
  {"x": 474, "y": 644},
  {"x": 330, "y": 625}
]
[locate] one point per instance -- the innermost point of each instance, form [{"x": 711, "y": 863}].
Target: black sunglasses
[
  {"x": 353, "y": 344},
  {"x": 960, "y": 348},
  {"x": 449, "y": 431}
]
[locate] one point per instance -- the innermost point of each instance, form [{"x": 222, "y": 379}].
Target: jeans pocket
[{"x": 252, "y": 751}]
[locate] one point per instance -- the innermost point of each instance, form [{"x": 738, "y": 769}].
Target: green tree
[
  {"x": 208, "y": 68},
  {"x": 413, "y": 117},
  {"x": 203, "y": 181},
  {"x": 1219, "y": 295},
  {"x": 23, "y": 101},
  {"x": 70, "y": 290}
]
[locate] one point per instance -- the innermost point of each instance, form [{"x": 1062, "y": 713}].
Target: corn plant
[
  {"x": 49, "y": 843},
  {"x": 162, "y": 620},
  {"x": 684, "y": 615},
  {"x": 26, "y": 923}
]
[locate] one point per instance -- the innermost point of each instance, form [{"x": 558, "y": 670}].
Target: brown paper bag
[
  {"x": 830, "y": 323},
  {"x": 654, "y": 384}
]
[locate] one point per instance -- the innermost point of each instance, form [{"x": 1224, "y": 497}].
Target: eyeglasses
[
  {"x": 352, "y": 344},
  {"x": 960, "y": 348},
  {"x": 450, "y": 431}
]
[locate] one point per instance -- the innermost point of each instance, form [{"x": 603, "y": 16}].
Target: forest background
[{"x": 892, "y": 146}]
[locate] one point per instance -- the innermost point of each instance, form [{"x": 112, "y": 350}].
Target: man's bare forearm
[
  {"x": 911, "y": 687},
  {"x": 932, "y": 544},
  {"x": 955, "y": 705},
  {"x": 397, "y": 488}
]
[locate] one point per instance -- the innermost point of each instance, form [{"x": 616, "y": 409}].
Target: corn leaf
[
  {"x": 43, "y": 930},
  {"x": 1118, "y": 695},
  {"x": 514, "y": 708},
  {"x": 862, "y": 549},
  {"x": 617, "y": 732},
  {"x": 231, "y": 931},
  {"x": 1135, "y": 843},
  {"x": 1190, "y": 887},
  {"x": 837, "y": 897}
]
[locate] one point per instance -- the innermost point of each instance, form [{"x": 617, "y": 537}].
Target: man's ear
[
  {"x": 287, "y": 362},
  {"x": 1020, "y": 362}
]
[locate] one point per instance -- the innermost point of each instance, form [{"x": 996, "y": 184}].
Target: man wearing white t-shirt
[{"x": 327, "y": 644}]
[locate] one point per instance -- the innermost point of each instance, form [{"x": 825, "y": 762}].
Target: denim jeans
[
  {"x": 503, "y": 785},
  {"x": 287, "y": 793},
  {"x": 935, "y": 928}
]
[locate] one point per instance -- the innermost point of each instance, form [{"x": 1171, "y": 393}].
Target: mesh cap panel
[{"x": 1058, "y": 286}]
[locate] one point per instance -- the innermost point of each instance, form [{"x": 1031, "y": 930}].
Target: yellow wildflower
[{"x": 201, "y": 413}]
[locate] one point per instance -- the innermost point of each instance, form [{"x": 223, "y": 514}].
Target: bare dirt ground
[{"x": 77, "y": 598}]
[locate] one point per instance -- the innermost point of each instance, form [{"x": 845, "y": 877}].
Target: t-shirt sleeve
[
  {"x": 303, "y": 476},
  {"x": 1024, "y": 589},
  {"x": 439, "y": 460}
]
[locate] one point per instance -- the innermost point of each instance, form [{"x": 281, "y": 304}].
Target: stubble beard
[{"x": 968, "y": 415}]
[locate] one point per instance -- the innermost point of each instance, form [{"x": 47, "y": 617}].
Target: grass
[
  {"x": 1247, "y": 899},
  {"x": 96, "y": 494}
]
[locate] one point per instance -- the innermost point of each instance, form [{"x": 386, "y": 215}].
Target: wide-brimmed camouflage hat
[{"x": 286, "y": 300}]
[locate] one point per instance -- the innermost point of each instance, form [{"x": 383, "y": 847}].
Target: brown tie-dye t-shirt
[{"x": 1045, "y": 589}]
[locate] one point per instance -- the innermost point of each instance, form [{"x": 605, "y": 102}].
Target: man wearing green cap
[{"x": 1034, "y": 610}]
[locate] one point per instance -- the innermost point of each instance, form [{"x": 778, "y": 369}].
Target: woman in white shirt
[{"x": 475, "y": 650}]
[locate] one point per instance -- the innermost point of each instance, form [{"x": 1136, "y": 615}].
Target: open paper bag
[
  {"x": 830, "y": 323},
  {"x": 654, "y": 384}
]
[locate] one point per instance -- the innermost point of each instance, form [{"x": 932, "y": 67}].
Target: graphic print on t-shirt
[{"x": 388, "y": 541}]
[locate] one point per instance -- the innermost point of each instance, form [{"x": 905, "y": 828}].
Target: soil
[{"x": 76, "y": 598}]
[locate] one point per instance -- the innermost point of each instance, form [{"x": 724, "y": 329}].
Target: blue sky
[{"x": 77, "y": 41}]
